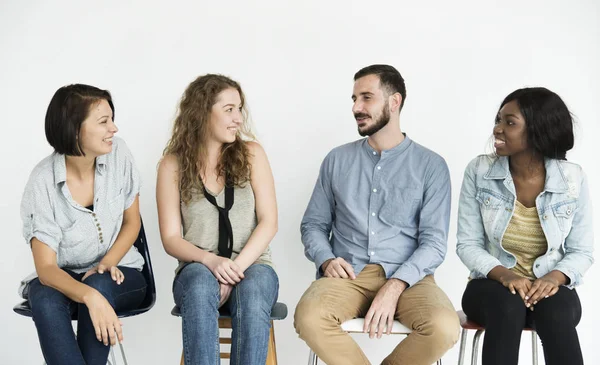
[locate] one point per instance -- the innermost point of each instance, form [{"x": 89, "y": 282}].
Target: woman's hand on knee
[
  {"x": 225, "y": 291},
  {"x": 224, "y": 269},
  {"x": 544, "y": 287},
  {"x": 116, "y": 274},
  {"x": 517, "y": 284},
  {"x": 106, "y": 323}
]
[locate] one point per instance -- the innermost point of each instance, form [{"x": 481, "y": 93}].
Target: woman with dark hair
[
  {"x": 80, "y": 213},
  {"x": 216, "y": 183},
  {"x": 525, "y": 231}
]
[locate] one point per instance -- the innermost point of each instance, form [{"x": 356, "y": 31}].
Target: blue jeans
[
  {"x": 196, "y": 293},
  {"x": 52, "y": 313}
]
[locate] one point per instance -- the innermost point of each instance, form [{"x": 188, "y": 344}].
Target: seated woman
[
  {"x": 525, "y": 231},
  {"x": 81, "y": 216},
  {"x": 219, "y": 187}
]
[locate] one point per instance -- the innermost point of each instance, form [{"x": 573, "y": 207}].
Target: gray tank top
[{"x": 201, "y": 222}]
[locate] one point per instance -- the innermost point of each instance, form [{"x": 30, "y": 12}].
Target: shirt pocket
[
  {"x": 72, "y": 233},
  {"x": 401, "y": 206},
  {"x": 564, "y": 213},
  {"x": 116, "y": 206},
  {"x": 489, "y": 205}
]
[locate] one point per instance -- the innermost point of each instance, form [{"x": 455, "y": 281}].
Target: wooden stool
[{"x": 278, "y": 312}]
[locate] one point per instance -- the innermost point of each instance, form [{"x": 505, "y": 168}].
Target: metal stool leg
[
  {"x": 463, "y": 347},
  {"x": 112, "y": 360},
  {"x": 313, "y": 359},
  {"x": 475, "y": 352},
  {"x": 534, "y": 349},
  {"x": 123, "y": 353}
]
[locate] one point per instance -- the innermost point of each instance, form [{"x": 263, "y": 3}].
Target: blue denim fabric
[
  {"x": 486, "y": 205},
  {"x": 196, "y": 292},
  {"x": 52, "y": 312}
]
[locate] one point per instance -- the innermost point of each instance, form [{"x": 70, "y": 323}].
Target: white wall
[{"x": 295, "y": 63}]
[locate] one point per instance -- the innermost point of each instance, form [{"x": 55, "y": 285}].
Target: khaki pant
[{"x": 330, "y": 301}]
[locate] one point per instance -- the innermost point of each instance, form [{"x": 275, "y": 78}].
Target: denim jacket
[{"x": 487, "y": 203}]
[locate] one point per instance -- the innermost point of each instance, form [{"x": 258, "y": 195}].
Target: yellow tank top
[{"x": 525, "y": 239}]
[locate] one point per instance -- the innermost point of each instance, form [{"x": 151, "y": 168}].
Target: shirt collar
[
  {"x": 556, "y": 182},
  {"x": 394, "y": 151},
  {"x": 60, "y": 167}
]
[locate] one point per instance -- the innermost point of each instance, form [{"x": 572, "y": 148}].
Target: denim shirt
[{"x": 486, "y": 205}]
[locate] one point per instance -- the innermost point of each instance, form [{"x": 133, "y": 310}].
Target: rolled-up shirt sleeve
[
  {"x": 38, "y": 216},
  {"x": 131, "y": 175}
]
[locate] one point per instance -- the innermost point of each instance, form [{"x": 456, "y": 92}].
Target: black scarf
[{"x": 225, "y": 231}]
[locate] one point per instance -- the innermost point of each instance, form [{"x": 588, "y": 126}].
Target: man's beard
[{"x": 381, "y": 122}]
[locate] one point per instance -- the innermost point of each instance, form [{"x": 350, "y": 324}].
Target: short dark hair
[
  {"x": 548, "y": 121},
  {"x": 389, "y": 79},
  {"x": 68, "y": 109}
]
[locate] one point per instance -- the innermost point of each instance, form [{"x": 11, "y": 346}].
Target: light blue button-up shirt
[{"x": 391, "y": 209}]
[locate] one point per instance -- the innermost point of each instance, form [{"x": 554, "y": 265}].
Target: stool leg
[
  {"x": 123, "y": 354},
  {"x": 182, "y": 360},
  {"x": 475, "y": 352},
  {"x": 112, "y": 357},
  {"x": 272, "y": 352},
  {"x": 534, "y": 349},
  {"x": 463, "y": 347},
  {"x": 313, "y": 359}
]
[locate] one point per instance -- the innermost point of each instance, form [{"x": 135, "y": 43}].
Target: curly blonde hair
[{"x": 190, "y": 129}]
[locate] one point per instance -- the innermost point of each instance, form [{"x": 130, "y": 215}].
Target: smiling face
[
  {"x": 371, "y": 106},
  {"x": 510, "y": 131},
  {"x": 97, "y": 130},
  {"x": 226, "y": 116}
]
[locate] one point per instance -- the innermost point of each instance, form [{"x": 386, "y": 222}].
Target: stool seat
[
  {"x": 471, "y": 325},
  {"x": 278, "y": 312},
  {"x": 356, "y": 326}
]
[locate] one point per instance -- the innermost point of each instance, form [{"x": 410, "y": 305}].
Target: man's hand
[
  {"x": 338, "y": 268},
  {"x": 383, "y": 308}
]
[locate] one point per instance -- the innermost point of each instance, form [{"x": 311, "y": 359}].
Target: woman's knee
[
  {"x": 101, "y": 282},
  {"x": 46, "y": 301},
  {"x": 259, "y": 288},
  {"x": 196, "y": 283}
]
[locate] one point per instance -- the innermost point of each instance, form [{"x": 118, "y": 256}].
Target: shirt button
[
  {"x": 374, "y": 152},
  {"x": 372, "y": 253},
  {"x": 378, "y": 167},
  {"x": 545, "y": 216},
  {"x": 373, "y": 214},
  {"x": 374, "y": 190},
  {"x": 537, "y": 265},
  {"x": 568, "y": 211},
  {"x": 372, "y": 232},
  {"x": 101, "y": 241},
  {"x": 552, "y": 249},
  {"x": 93, "y": 214},
  {"x": 99, "y": 229}
]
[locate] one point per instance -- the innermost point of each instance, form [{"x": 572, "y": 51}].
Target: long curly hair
[{"x": 191, "y": 128}]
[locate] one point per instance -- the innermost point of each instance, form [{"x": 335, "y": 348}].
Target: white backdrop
[{"x": 295, "y": 61}]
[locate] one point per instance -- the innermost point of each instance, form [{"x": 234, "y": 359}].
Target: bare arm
[
  {"x": 51, "y": 275},
  {"x": 169, "y": 214},
  {"x": 263, "y": 186},
  {"x": 126, "y": 237}
]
